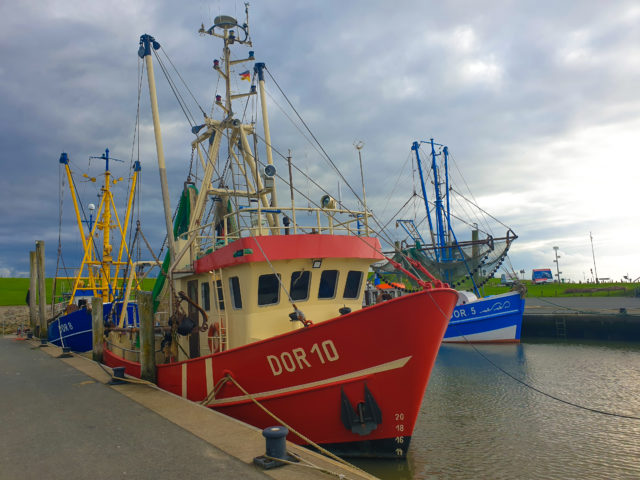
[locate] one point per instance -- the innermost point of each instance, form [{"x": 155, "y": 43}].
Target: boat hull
[
  {"x": 495, "y": 319},
  {"x": 75, "y": 330},
  {"x": 353, "y": 384}
]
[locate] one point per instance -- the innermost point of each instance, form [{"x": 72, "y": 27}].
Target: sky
[{"x": 537, "y": 101}]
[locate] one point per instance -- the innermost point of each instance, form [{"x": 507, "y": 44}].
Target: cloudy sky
[{"x": 537, "y": 101}]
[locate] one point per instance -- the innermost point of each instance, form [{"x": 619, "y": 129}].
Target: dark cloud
[{"x": 537, "y": 103}]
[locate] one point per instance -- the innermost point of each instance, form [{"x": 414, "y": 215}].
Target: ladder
[{"x": 561, "y": 327}]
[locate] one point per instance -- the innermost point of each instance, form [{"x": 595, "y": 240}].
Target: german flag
[{"x": 245, "y": 75}]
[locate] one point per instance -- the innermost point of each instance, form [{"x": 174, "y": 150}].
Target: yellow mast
[{"x": 106, "y": 213}]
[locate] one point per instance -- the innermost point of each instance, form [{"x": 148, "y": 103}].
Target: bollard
[
  {"x": 276, "y": 441},
  {"x": 66, "y": 353},
  {"x": 118, "y": 373},
  {"x": 43, "y": 342},
  {"x": 97, "y": 323},
  {"x": 147, "y": 338},
  {"x": 276, "y": 448},
  {"x": 42, "y": 294}
]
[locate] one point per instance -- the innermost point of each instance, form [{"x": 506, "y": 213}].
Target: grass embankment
[
  {"x": 613, "y": 289},
  {"x": 13, "y": 291},
  {"x": 494, "y": 287}
]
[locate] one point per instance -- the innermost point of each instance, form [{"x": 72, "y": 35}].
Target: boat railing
[{"x": 252, "y": 221}]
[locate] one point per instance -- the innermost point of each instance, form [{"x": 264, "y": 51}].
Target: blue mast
[
  {"x": 415, "y": 147},
  {"x": 441, "y": 240},
  {"x": 442, "y": 251}
]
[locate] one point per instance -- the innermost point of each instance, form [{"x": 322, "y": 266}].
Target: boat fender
[
  {"x": 185, "y": 324},
  {"x": 213, "y": 336},
  {"x": 344, "y": 310}
]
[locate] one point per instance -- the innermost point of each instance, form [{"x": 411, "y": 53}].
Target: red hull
[{"x": 309, "y": 376}]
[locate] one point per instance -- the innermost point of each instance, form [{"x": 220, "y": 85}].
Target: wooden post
[
  {"x": 147, "y": 337},
  {"x": 42, "y": 293},
  {"x": 98, "y": 328},
  {"x": 33, "y": 293}
]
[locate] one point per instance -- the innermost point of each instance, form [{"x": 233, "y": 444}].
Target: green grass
[
  {"x": 613, "y": 289},
  {"x": 493, "y": 287},
  {"x": 13, "y": 291}
]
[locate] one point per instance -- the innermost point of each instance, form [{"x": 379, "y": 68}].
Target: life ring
[{"x": 214, "y": 337}]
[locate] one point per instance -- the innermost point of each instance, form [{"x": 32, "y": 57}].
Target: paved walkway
[{"x": 59, "y": 420}]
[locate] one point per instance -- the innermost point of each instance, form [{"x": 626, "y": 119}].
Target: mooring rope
[
  {"x": 546, "y": 394},
  {"x": 290, "y": 428}
]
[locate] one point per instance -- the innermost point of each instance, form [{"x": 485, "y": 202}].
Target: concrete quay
[
  {"x": 581, "y": 305},
  {"x": 61, "y": 420},
  {"x": 582, "y": 318}
]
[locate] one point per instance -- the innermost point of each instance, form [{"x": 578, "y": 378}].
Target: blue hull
[
  {"x": 75, "y": 330},
  {"x": 491, "y": 319}
]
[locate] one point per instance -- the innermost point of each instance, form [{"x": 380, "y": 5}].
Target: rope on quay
[{"x": 291, "y": 429}]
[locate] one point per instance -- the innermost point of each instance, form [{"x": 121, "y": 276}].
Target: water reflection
[{"x": 476, "y": 422}]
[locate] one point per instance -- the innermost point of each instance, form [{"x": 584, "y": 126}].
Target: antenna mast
[{"x": 594, "y": 258}]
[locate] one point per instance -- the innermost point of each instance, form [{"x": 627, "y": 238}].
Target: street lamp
[
  {"x": 557, "y": 264},
  {"x": 92, "y": 207},
  {"x": 522, "y": 272}
]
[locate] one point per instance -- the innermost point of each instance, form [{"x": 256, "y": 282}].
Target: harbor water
[{"x": 478, "y": 422}]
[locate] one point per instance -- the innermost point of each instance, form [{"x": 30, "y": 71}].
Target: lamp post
[
  {"x": 92, "y": 207},
  {"x": 522, "y": 272},
  {"x": 594, "y": 257},
  {"x": 557, "y": 264}
]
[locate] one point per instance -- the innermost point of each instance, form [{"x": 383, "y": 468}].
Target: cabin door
[{"x": 194, "y": 315}]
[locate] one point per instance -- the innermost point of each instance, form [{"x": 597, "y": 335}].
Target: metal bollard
[
  {"x": 66, "y": 353},
  {"x": 118, "y": 373},
  {"x": 276, "y": 448}
]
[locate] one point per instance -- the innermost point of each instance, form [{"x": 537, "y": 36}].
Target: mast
[
  {"x": 259, "y": 69},
  {"x": 416, "y": 147},
  {"x": 441, "y": 240},
  {"x": 146, "y": 41},
  {"x": 593, "y": 253},
  {"x": 359, "y": 146}
]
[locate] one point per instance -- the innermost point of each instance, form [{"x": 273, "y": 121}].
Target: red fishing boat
[{"x": 264, "y": 302}]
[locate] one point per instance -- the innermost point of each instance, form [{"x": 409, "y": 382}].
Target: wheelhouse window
[
  {"x": 204, "y": 291},
  {"x": 236, "y": 297},
  {"x": 299, "y": 286},
  {"x": 352, "y": 285},
  {"x": 268, "y": 289},
  {"x": 328, "y": 282},
  {"x": 220, "y": 294}
]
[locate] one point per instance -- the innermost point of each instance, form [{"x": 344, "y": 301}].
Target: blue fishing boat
[
  {"x": 493, "y": 319},
  {"x": 465, "y": 265},
  {"x": 107, "y": 270}
]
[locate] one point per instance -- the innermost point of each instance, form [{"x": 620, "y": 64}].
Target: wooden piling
[
  {"x": 33, "y": 295},
  {"x": 98, "y": 328},
  {"x": 42, "y": 293},
  {"x": 147, "y": 337}
]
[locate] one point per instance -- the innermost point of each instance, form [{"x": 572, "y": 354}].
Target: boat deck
[{"x": 61, "y": 420}]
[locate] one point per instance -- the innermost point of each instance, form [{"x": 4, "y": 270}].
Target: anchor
[{"x": 365, "y": 418}]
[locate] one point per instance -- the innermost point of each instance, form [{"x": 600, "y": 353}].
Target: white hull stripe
[
  {"x": 73, "y": 334},
  {"x": 208, "y": 367},
  {"x": 394, "y": 364},
  {"x": 506, "y": 333}
]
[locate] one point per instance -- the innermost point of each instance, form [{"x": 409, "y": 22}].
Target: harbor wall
[{"x": 582, "y": 326}]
